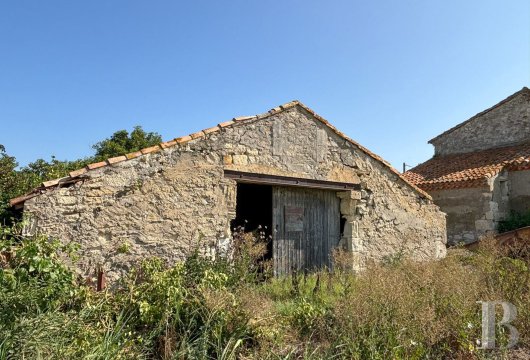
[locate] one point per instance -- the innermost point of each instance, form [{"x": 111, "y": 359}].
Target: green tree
[
  {"x": 42, "y": 170},
  {"x": 9, "y": 185},
  {"x": 15, "y": 182},
  {"x": 121, "y": 142}
]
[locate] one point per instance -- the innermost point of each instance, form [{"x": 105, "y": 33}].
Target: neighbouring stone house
[
  {"x": 289, "y": 170},
  {"x": 480, "y": 171}
]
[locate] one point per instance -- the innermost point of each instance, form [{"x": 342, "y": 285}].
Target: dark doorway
[{"x": 254, "y": 209}]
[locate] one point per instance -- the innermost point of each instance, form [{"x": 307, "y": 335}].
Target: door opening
[
  {"x": 254, "y": 211},
  {"x": 307, "y": 228}
]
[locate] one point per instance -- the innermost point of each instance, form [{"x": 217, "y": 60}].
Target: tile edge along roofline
[
  {"x": 476, "y": 116},
  {"x": 469, "y": 170},
  {"x": 447, "y": 184},
  {"x": 75, "y": 176}
]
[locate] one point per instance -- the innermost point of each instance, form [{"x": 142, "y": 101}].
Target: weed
[{"x": 227, "y": 307}]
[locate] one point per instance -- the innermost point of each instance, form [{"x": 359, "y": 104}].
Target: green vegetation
[
  {"x": 216, "y": 309},
  {"x": 514, "y": 221},
  {"x": 15, "y": 182},
  {"x": 121, "y": 142}
]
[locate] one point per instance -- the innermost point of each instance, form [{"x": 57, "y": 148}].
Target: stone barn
[
  {"x": 480, "y": 171},
  {"x": 288, "y": 170}
]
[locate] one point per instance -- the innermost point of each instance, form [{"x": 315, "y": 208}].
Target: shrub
[
  {"x": 229, "y": 307},
  {"x": 33, "y": 278}
]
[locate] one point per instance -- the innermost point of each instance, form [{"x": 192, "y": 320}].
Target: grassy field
[{"x": 216, "y": 309}]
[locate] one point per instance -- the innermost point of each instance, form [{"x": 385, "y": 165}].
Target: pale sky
[{"x": 389, "y": 74}]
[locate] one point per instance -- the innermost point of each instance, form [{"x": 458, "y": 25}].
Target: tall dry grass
[{"x": 231, "y": 307}]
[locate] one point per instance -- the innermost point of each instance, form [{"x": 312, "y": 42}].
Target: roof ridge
[
  {"x": 76, "y": 174},
  {"x": 476, "y": 116}
]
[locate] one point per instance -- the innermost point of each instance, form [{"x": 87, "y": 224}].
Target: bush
[
  {"x": 33, "y": 279},
  {"x": 229, "y": 307}
]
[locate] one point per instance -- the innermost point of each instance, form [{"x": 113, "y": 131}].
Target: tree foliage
[
  {"x": 9, "y": 182},
  {"x": 15, "y": 181},
  {"x": 121, "y": 142}
]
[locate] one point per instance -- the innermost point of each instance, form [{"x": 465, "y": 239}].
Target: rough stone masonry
[
  {"x": 165, "y": 200},
  {"x": 480, "y": 172}
]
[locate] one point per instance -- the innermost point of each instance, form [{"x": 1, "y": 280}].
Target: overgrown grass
[{"x": 220, "y": 309}]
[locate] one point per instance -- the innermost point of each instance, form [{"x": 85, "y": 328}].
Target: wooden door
[{"x": 306, "y": 227}]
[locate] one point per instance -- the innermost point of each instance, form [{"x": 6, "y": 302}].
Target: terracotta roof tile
[
  {"x": 226, "y": 123},
  {"x": 198, "y": 134},
  {"x": 468, "y": 169},
  {"x": 21, "y": 199},
  {"x": 183, "y": 140},
  {"x": 366, "y": 151},
  {"x": 96, "y": 165},
  {"x": 211, "y": 130},
  {"x": 51, "y": 182},
  {"x": 77, "y": 172},
  {"x": 290, "y": 104},
  {"x": 243, "y": 118},
  {"x": 116, "y": 159},
  {"x": 150, "y": 149},
  {"x": 133, "y": 155},
  {"x": 168, "y": 144}
]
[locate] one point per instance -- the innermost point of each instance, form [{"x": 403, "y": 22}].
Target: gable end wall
[
  {"x": 167, "y": 203},
  {"x": 505, "y": 125}
]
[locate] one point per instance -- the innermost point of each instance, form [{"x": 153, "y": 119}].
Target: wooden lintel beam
[{"x": 254, "y": 178}]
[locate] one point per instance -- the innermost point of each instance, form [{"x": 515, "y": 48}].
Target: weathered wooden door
[{"x": 306, "y": 227}]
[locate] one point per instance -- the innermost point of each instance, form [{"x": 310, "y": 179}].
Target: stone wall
[
  {"x": 504, "y": 125},
  {"x": 519, "y": 191},
  {"x": 464, "y": 207},
  {"x": 473, "y": 212},
  {"x": 165, "y": 203}
]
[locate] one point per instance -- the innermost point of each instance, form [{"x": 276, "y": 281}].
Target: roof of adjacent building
[
  {"x": 477, "y": 116},
  {"x": 469, "y": 169},
  {"x": 78, "y": 175}
]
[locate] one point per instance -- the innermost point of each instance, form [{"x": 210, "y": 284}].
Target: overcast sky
[{"x": 390, "y": 74}]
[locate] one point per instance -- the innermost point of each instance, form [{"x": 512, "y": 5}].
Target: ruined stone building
[
  {"x": 288, "y": 170},
  {"x": 480, "y": 170}
]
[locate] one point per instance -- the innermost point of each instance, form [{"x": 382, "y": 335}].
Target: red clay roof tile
[
  {"x": 21, "y": 199},
  {"x": 50, "y": 183},
  {"x": 96, "y": 165},
  {"x": 211, "y": 130},
  {"x": 226, "y": 123},
  {"x": 116, "y": 159},
  {"x": 185, "y": 139},
  {"x": 133, "y": 155},
  {"x": 468, "y": 169},
  {"x": 243, "y": 118},
  {"x": 198, "y": 134},
  {"x": 168, "y": 144},
  {"x": 77, "y": 172},
  {"x": 150, "y": 149}
]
